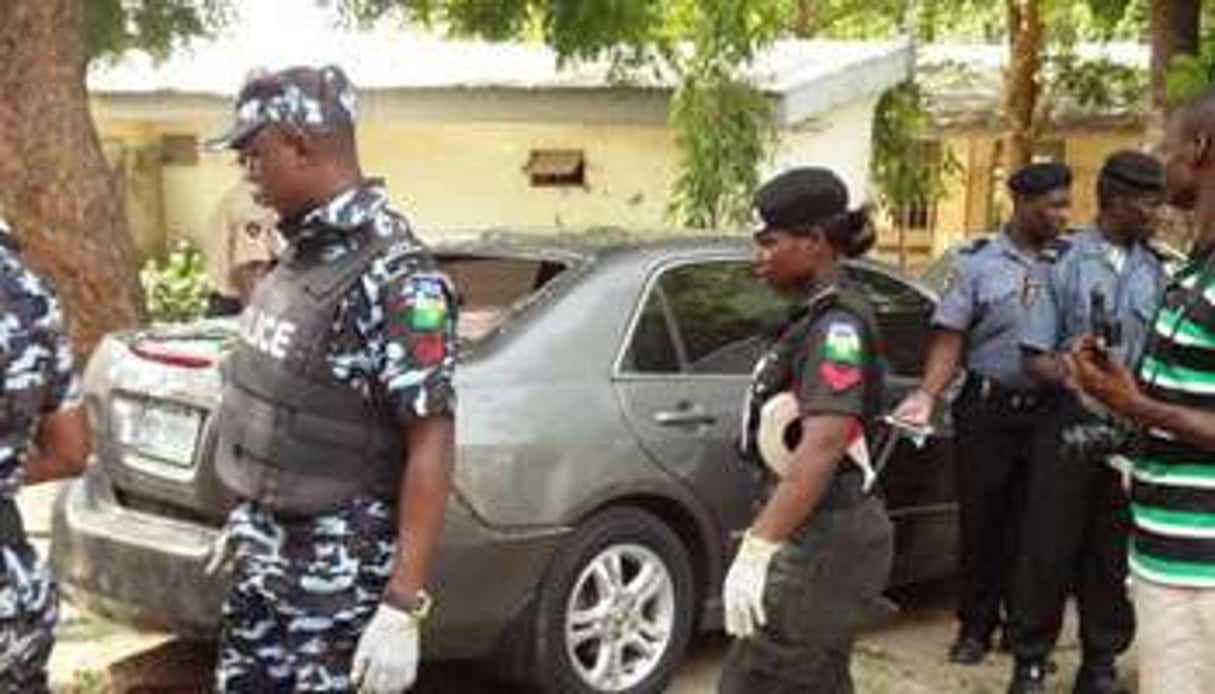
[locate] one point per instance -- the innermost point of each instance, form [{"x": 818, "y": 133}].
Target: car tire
[{"x": 622, "y": 586}]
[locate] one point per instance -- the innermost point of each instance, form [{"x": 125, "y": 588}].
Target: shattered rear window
[{"x": 490, "y": 288}]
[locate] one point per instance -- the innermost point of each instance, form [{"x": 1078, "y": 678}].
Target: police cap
[
  {"x": 1039, "y": 179},
  {"x": 798, "y": 199},
  {"x": 305, "y": 97},
  {"x": 1134, "y": 171}
]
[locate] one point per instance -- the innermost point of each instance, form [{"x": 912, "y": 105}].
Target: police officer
[
  {"x": 44, "y": 436},
  {"x": 336, "y": 429},
  {"x": 978, "y": 326},
  {"x": 1107, "y": 274},
  {"x": 811, "y": 568}
]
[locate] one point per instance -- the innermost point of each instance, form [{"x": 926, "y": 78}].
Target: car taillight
[{"x": 159, "y": 353}]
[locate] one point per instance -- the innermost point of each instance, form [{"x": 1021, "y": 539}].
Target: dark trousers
[
  {"x": 1076, "y": 526},
  {"x": 993, "y": 431},
  {"x": 823, "y": 585}
]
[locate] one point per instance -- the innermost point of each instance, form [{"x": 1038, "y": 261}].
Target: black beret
[
  {"x": 1039, "y": 179},
  {"x": 797, "y": 199},
  {"x": 1134, "y": 170}
]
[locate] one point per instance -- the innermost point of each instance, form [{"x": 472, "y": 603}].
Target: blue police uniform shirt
[
  {"x": 1130, "y": 278},
  {"x": 991, "y": 285},
  {"x": 35, "y": 354}
]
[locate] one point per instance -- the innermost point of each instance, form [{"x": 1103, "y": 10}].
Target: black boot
[
  {"x": 967, "y": 650},
  {"x": 1029, "y": 677},
  {"x": 1098, "y": 678}
]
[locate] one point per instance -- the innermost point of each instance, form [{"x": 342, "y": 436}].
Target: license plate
[{"x": 165, "y": 432}]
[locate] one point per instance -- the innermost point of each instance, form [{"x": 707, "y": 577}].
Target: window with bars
[{"x": 921, "y": 213}]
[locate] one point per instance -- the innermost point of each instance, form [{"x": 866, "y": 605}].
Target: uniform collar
[
  {"x": 1092, "y": 242},
  {"x": 822, "y": 289},
  {"x": 344, "y": 212},
  {"x": 1006, "y": 246}
]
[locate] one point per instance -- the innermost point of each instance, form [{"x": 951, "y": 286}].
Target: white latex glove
[
  {"x": 915, "y": 409},
  {"x": 386, "y": 660},
  {"x": 743, "y": 594}
]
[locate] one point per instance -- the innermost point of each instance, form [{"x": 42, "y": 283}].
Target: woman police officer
[{"x": 812, "y": 566}]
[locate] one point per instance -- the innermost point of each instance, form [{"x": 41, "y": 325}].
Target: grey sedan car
[{"x": 597, "y": 491}]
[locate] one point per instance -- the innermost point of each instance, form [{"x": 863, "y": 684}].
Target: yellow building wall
[
  {"x": 966, "y": 208},
  {"x": 132, "y": 149},
  {"x": 1085, "y": 155},
  {"x": 445, "y": 177},
  {"x": 469, "y": 176}
]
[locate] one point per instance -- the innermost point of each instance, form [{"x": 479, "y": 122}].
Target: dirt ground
[{"x": 906, "y": 656}]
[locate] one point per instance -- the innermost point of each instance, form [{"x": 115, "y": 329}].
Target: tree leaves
[
  {"x": 156, "y": 26},
  {"x": 901, "y": 123}
]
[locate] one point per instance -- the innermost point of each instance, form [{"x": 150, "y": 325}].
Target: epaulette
[
  {"x": 1056, "y": 249},
  {"x": 974, "y": 246}
]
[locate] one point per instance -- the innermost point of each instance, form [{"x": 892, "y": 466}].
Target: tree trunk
[
  {"x": 1175, "y": 30},
  {"x": 1021, "y": 81},
  {"x": 56, "y": 188},
  {"x": 804, "y": 26}
]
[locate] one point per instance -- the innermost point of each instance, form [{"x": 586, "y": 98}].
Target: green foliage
[
  {"x": 176, "y": 286},
  {"x": 1190, "y": 75},
  {"x": 723, "y": 128},
  {"x": 113, "y": 27},
  {"x": 975, "y": 20},
  {"x": 723, "y": 124},
  {"x": 900, "y": 123},
  {"x": 579, "y": 29},
  {"x": 1097, "y": 83}
]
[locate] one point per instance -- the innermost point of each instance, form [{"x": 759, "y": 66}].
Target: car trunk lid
[{"x": 155, "y": 392}]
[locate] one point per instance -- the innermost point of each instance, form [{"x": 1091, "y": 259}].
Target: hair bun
[{"x": 858, "y": 224}]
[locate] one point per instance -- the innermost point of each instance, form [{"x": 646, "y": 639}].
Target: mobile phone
[{"x": 1103, "y": 326}]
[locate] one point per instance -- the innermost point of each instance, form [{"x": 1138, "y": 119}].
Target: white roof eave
[{"x": 867, "y": 78}]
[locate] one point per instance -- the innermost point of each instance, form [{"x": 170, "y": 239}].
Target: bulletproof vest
[
  {"x": 776, "y": 370},
  {"x": 291, "y": 435}
]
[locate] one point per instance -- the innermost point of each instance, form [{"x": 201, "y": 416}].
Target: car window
[
  {"x": 937, "y": 272},
  {"x": 652, "y": 348},
  {"x": 719, "y": 319},
  {"x": 902, "y": 314},
  {"x": 489, "y": 288}
]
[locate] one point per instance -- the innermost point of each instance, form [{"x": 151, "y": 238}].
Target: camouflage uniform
[
  {"x": 303, "y": 588},
  {"x": 36, "y": 358}
]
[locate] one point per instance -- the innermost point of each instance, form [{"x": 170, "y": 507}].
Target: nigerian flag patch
[
  {"x": 842, "y": 344},
  {"x": 427, "y": 306}
]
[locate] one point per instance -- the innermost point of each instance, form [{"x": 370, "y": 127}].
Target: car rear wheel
[{"x": 615, "y": 611}]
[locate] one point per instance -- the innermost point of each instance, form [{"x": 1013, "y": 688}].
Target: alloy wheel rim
[{"x": 620, "y": 617}]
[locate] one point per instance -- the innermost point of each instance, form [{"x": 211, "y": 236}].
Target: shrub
[{"x": 176, "y": 286}]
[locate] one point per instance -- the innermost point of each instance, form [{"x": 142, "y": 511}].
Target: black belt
[
  {"x": 992, "y": 391},
  {"x": 12, "y": 530}
]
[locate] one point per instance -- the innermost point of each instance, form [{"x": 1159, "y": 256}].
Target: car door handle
[{"x": 693, "y": 415}]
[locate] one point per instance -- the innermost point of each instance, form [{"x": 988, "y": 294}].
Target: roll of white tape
[{"x": 774, "y": 438}]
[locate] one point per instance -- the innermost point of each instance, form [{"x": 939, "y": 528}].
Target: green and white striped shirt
[{"x": 1173, "y": 490}]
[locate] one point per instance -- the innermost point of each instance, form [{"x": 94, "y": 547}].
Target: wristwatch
[{"x": 417, "y": 605}]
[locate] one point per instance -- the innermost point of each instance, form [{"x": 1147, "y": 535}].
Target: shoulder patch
[
  {"x": 975, "y": 246},
  {"x": 842, "y": 343}
]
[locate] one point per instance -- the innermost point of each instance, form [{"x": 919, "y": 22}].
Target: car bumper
[{"x": 149, "y": 570}]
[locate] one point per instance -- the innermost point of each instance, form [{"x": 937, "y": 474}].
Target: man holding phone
[
  {"x": 1107, "y": 279},
  {"x": 1172, "y": 549}
]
